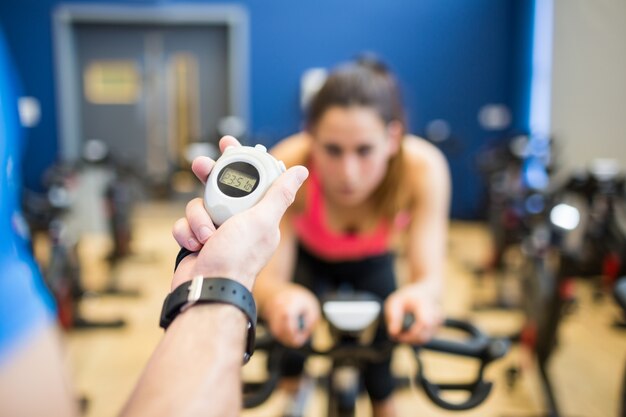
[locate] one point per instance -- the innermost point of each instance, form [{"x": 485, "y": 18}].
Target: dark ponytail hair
[{"x": 364, "y": 82}]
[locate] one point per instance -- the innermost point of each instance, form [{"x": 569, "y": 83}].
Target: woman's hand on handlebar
[
  {"x": 292, "y": 313},
  {"x": 410, "y": 300}
]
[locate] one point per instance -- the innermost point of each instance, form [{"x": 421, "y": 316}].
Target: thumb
[{"x": 282, "y": 192}]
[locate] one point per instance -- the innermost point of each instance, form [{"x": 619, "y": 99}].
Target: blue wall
[{"x": 451, "y": 56}]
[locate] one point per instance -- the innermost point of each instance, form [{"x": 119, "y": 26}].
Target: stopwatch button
[
  {"x": 260, "y": 148},
  {"x": 282, "y": 166}
]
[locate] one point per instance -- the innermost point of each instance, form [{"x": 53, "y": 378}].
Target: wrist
[
  {"x": 210, "y": 316},
  {"x": 190, "y": 266},
  {"x": 425, "y": 290},
  {"x": 266, "y": 292},
  {"x": 203, "y": 290},
  {"x": 184, "y": 270},
  {"x": 219, "y": 269}
]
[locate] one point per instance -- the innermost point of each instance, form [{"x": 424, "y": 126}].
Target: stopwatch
[{"x": 239, "y": 179}]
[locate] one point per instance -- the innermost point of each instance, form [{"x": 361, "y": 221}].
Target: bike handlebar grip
[
  {"x": 479, "y": 392},
  {"x": 498, "y": 348},
  {"x": 261, "y": 392},
  {"x": 407, "y": 321},
  {"x": 471, "y": 348},
  {"x": 301, "y": 323}
]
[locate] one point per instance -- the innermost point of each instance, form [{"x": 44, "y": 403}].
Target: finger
[
  {"x": 202, "y": 166},
  {"x": 227, "y": 141},
  {"x": 284, "y": 331},
  {"x": 425, "y": 326},
  {"x": 199, "y": 220},
  {"x": 282, "y": 193},
  {"x": 184, "y": 236},
  {"x": 393, "y": 313},
  {"x": 298, "y": 338},
  {"x": 417, "y": 334}
]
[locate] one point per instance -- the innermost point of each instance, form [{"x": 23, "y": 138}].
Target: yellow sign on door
[{"x": 112, "y": 82}]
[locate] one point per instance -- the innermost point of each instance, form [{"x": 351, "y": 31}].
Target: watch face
[{"x": 238, "y": 179}]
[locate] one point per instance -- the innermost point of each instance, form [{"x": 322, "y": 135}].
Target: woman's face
[{"x": 351, "y": 151}]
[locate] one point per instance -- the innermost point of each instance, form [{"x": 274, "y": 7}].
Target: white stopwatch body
[{"x": 239, "y": 179}]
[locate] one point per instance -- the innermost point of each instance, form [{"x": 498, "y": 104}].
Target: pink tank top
[{"x": 314, "y": 234}]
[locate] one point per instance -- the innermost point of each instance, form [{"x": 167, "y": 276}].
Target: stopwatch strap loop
[{"x": 182, "y": 254}]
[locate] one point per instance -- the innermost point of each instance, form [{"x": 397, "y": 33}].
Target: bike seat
[{"x": 351, "y": 312}]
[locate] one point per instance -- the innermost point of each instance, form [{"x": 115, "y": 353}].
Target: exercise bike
[
  {"x": 352, "y": 319},
  {"x": 516, "y": 170},
  {"x": 600, "y": 248},
  {"x": 52, "y": 214}
]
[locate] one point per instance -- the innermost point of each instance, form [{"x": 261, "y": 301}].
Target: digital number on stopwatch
[{"x": 237, "y": 179}]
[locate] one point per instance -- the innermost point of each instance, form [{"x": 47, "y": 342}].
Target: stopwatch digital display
[{"x": 239, "y": 179}]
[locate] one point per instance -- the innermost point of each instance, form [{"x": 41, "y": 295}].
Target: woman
[{"x": 370, "y": 184}]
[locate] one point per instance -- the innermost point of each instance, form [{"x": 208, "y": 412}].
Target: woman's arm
[
  {"x": 291, "y": 310},
  {"x": 277, "y": 274},
  {"x": 426, "y": 245},
  {"x": 428, "y": 232}
]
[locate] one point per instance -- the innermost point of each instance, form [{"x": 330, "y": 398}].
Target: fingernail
[
  {"x": 204, "y": 233},
  {"x": 193, "y": 243}
]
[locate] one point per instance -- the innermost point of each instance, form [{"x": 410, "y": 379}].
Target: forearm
[
  {"x": 266, "y": 286},
  {"x": 427, "y": 265},
  {"x": 427, "y": 258},
  {"x": 195, "y": 370}
]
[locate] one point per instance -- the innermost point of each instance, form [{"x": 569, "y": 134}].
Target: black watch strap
[{"x": 212, "y": 290}]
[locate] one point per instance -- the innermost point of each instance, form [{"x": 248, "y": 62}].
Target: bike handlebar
[{"x": 479, "y": 346}]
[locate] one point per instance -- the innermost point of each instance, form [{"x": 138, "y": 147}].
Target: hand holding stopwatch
[{"x": 239, "y": 179}]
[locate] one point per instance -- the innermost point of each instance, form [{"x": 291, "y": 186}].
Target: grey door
[{"x": 149, "y": 90}]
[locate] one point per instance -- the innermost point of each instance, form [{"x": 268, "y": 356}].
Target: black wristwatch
[{"x": 212, "y": 290}]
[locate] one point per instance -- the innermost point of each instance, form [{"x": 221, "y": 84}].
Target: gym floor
[{"x": 587, "y": 368}]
